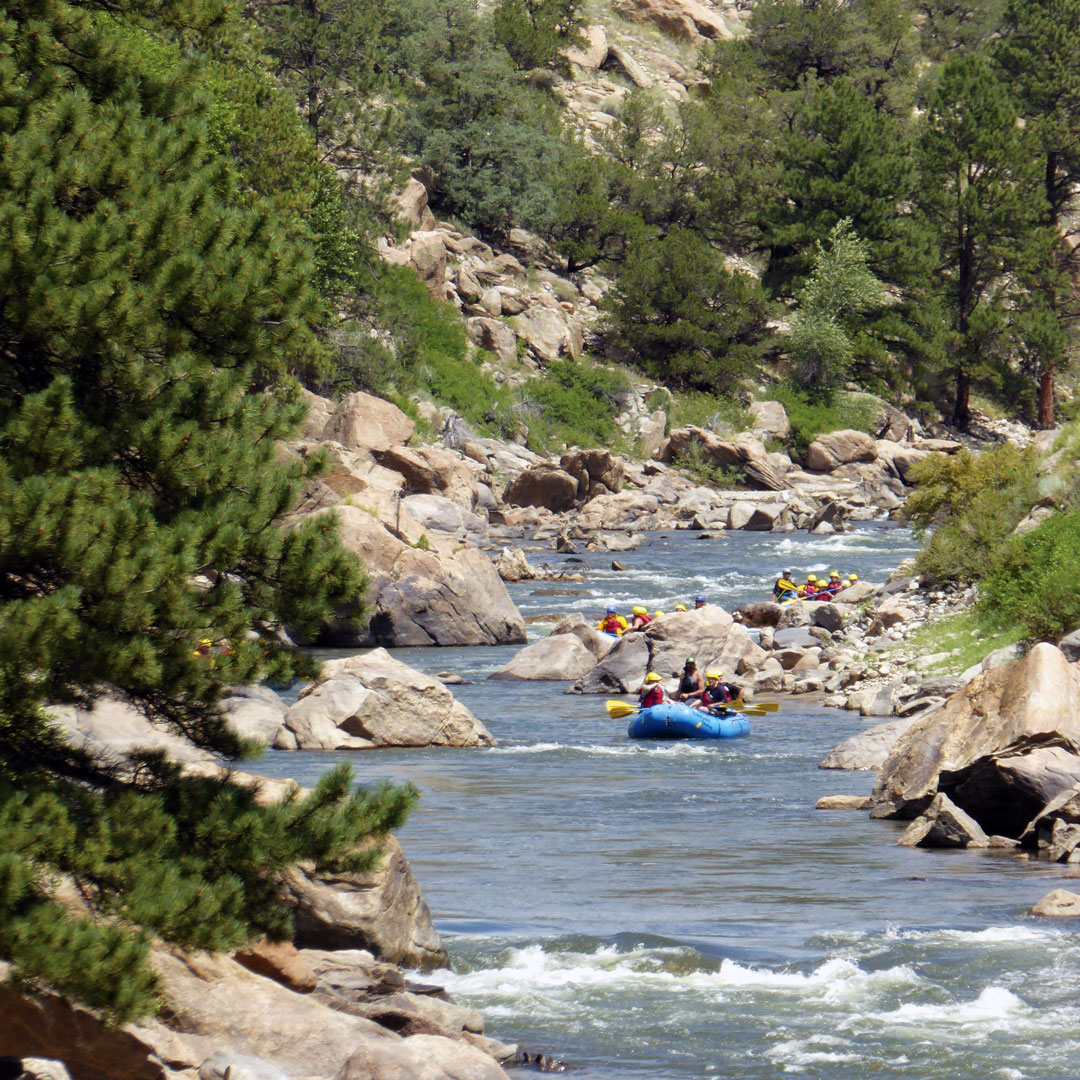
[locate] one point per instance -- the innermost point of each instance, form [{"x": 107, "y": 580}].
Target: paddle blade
[
  {"x": 619, "y": 709},
  {"x": 760, "y": 706}
]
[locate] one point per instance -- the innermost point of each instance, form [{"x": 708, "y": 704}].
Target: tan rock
[
  {"x": 687, "y": 19},
  {"x": 542, "y": 485},
  {"x": 836, "y": 448},
  {"x": 943, "y": 825},
  {"x": 559, "y": 657},
  {"x": 495, "y": 336},
  {"x": 596, "y": 471},
  {"x": 364, "y": 422},
  {"x": 433, "y": 470},
  {"x": 427, "y": 255},
  {"x": 381, "y": 911},
  {"x": 280, "y": 961},
  {"x": 412, "y": 205},
  {"x": 549, "y": 332},
  {"x": 371, "y": 699},
  {"x": 843, "y": 802},
  {"x": 1058, "y": 904},
  {"x": 592, "y": 54},
  {"x": 770, "y": 418},
  {"x": 1037, "y": 694}
]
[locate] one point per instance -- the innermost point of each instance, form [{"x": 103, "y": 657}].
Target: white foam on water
[
  {"x": 992, "y": 935},
  {"x": 996, "y": 1008},
  {"x": 797, "y": 1052},
  {"x": 673, "y": 749},
  {"x": 530, "y": 973}
]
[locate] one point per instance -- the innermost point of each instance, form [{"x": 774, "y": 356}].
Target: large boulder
[
  {"x": 1008, "y": 790},
  {"x": 762, "y": 613},
  {"x": 597, "y": 643},
  {"x": 550, "y": 333},
  {"x": 559, "y": 657},
  {"x": 381, "y": 910},
  {"x": 456, "y": 600},
  {"x": 744, "y": 452},
  {"x": 1058, "y": 904},
  {"x": 544, "y": 485},
  {"x": 770, "y": 419},
  {"x": 255, "y": 713},
  {"x": 688, "y": 19},
  {"x": 493, "y": 335},
  {"x": 867, "y": 750},
  {"x": 371, "y": 699},
  {"x": 363, "y": 422},
  {"x": 620, "y": 671},
  {"x": 437, "y": 513},
  {"x": 115, "y": 729},
  {"x": 596, "y": 471},
  {"x": 513, "y": 566},
  {"x": 433, "y": 470},
  {"x": 943, "y": 824},
  {"x": 836, "y": 448},
  {"x": 1039, "y": 694}
]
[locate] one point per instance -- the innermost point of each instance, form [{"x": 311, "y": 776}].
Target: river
[{"x": 682, "y": 911}]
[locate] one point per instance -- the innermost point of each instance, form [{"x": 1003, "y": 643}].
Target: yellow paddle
[{"x": 618, "y": 710}]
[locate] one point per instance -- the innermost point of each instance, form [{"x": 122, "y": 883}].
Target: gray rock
[
  {"x": 559, "y": 657},
  {"x": 254, "y": 712},
  {"x": 437, "y": 513},
  {"x": 621, "y": 671},
  {"x": 868, "y": 749},
  {"x": 34, "y": 1068},
  {"x": 944, "y": 825},
  {"x": 796, "y": 635},
  {"x": 1070, "y": 646},
  {"x": 227, "y": 1065},
  {"x": 843, "y": 802},
  {"x": 544, "y": 485},
  {"x": 770, "y": 679},
  {"x": 830, "y": 616},
  {"x": 765, "y": 613},
  {"x": 796, "y": 613},
  {"x": 597, "y": 643}
]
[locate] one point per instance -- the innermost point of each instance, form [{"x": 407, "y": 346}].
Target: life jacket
[
  {"x": 640, "y": 621},
  {"x": 687, "y": 684},
  {"x": 655, "y": 696},
  {"x": 613, "y": 624},
  {"x": 716, "y": 695},
  {"x": 834, "y": 587}
]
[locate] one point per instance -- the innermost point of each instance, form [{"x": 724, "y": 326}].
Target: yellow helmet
[
  {"x": 657, "y": 614},
  {"x": 811, "y": 577},
  {"x": 652, "y": 677},
  {"x": 640, "y": 610},
  {"x": 205, "y": 641},
  {"x": 680, "y": 607},
  {"x": 834, "y": 573},
  {"x": 710, "y": 675},
  {"x": 853, "y": 577}
]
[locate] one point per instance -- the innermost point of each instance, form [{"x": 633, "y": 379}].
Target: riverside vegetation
[{"x": 220, "y": 218}]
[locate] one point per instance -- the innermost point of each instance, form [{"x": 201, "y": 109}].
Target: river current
[{"x": 679, "y": 911}]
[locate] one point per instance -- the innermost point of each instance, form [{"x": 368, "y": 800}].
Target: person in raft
[
  {"x": 613, "y": 622},
  {"x": 680, "y": 607},
  {"x": 652, "y": 691},
  {"x": 691, "y": 683},
  {"x": 641, "y": 618},
  {"x": 699, "y": 601},
  {"x": 809, "y": 590},
  {"x": 785, "y": 587},
  {"x": 835, "y": 583},
  {"x": 718, "y": 693}
]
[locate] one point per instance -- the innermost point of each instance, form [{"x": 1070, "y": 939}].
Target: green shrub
[
  {"x": 574, "y": 403},
  {"x": 972, "y": 503},
  {"x": 811, "y": 418},
  {"x": 1033, "y": 581},
  {"x": 695, "y": 408}
]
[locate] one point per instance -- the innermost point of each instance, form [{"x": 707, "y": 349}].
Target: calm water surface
[{"x": 681, "y": 911}]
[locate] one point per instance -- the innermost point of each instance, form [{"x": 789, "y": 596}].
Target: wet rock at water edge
[
  {"x": 944, "y": 825},
  {"x": 559, "y": 657},
  {"x": 843, "y": 802},
  {"x": 1058, "y": 904}
]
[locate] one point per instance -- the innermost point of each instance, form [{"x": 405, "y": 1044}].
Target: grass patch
[
  {"x": 694, "y": 464},
  {"x": 574, "y": 404},
  {"x": 698, "y": 409},
  {"x": 967, "y": 638}
]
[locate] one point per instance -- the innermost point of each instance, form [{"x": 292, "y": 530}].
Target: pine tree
[
  {"x": 536, "y": 32},
  {"x": 143, "y": 295},
  {"x": 686, "y": 317},
  {"x": 981, "y": 196},
  {"x": 1037, "y": 55}
]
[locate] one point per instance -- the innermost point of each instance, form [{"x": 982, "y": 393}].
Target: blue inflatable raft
[{"x": 675, "y": 721}]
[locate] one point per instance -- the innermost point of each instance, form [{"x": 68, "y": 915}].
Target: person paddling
[
  {"x": 785, "y": 587},
  {"x": 641, "y": 618},
  {"x": 718, "y": 693},
  {"x": 835, "y": 584},
  {"x": 613, "y": 622},
  {"x": 691, "y": 684},
  {"x": 652, "y": 691}
]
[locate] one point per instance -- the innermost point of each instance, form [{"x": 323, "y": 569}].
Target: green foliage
[
  {"x": 947, "y": 27},
  {"x": 981, "y": 197},
  {"x": 1033, "y": 581},
  {"x": 695, "y": 463},
  {"x": 153, "y": 307},
  {"x": 698, "y": 408},
  {"x": 690, "y": 321},
  {"x": 811, "y": 417},
  {"x": 965, "y": 639},
  {"x": 840, "y": 290},
  {"x": 535, "y": 32},
  {"x": 972, "y": 503},
  {"x": 574, "y": 403}
]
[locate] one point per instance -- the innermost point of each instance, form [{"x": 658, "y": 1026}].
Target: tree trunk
[
  {"x": 961, "y": 416},
  {"x": 1046, "y": 398}
]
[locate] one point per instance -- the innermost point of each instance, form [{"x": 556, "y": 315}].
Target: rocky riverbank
[{"x": 341, "y": 1001}]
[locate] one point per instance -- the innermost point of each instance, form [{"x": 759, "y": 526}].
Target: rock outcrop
[
  {"x": 559, "y": 657},
  {"x": 371, "y": 700},
  {"x": 381, "y": 911},
  {"x": 1039, "y": 694}
]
